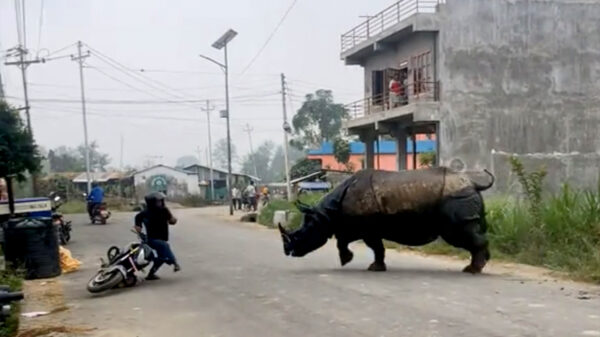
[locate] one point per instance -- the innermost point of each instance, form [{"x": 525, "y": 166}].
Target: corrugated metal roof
[
  {"x": 192, "y": 167},
  {"x": 100, "y": 177}
]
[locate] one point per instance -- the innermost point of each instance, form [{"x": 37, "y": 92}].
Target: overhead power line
[
  {"x": 138, "y": 77},
  {"x": 264, "y": 46}
]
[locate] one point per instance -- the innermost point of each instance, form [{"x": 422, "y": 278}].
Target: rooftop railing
[{"x": 386, "y": 19}]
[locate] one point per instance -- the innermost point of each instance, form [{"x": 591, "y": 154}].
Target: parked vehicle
[
  {"x": 122, "y": 266},
  {"x": 63, "y": 227},
  {"x": 6, "y": 299}
]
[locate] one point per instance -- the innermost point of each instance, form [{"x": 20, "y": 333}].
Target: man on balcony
[{"x": 395, "y": 91}]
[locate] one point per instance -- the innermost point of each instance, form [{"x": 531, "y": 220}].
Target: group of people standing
[{"x": 248, "y": 197}]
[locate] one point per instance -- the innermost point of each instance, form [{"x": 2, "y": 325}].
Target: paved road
[{"x": 237, "y": 282}]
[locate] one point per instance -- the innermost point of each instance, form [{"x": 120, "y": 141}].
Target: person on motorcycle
[
  {"x": 95, "y": 198},
  {"x": 156, "y": 217}
]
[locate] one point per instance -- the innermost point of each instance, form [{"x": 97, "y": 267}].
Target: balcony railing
[
  {"x": 386, "y": 19},
  {"x": 416, "y": 92}
]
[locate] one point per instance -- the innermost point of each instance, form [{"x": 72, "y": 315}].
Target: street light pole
[
  {"x": 221, "y": 43},
  {"x": 228, "y": 132}
]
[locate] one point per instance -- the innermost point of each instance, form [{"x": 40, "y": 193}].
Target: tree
[
  {"x": 319, "y": 119},
  {"x": 98, "y": 160},
  {"x": 66, "y": 159},
  {"x": 304, "y": 167},
  {"x": 220, "y": 154},
  {"x": 341, "y": 150},
  {"x": 186, "y": 161},
  {"x": 262, "y": 157},
  {"x": 18, "y": 150}
]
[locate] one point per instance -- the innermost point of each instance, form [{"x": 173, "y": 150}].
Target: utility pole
[
  {"x": 80, "y": 58},
  {"x": 1, "y": 88},
  {"x": 208, "y": 109},
  {"x": 121, "y": 156},
  {"x": 23, "y": 64},
  {"x": 249, "y": 130},
  {"x": 286, "y": 129}
]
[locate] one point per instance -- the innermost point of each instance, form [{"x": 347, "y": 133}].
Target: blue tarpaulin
[{"x": 314, "y": 185}]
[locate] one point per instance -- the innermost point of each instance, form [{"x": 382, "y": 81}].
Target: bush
[
  {"x": 567, "y": 238},
  {"x": 15, "y": 281}
]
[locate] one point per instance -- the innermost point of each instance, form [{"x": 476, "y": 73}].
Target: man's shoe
[
  {"x": 152, "y": 277},
  {"x": 176, "y": 268}
]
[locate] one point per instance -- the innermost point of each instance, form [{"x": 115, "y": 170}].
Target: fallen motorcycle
[
  {"x": 122, "y": 266},
  {"x": 64, "y": 227}
]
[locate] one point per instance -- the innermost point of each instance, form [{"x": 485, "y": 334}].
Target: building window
[
  {"x": 421, "y": 68},
  {"x": 378, "y": 91}
]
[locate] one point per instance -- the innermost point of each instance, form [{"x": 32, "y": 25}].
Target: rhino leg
[
  {"x": 471, "y": 238},
  {"x": 376, "y": 244},
  {"x": 346, "y": 254}
]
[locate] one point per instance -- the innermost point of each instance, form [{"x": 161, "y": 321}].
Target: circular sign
[{"x": 158, "y": 183}]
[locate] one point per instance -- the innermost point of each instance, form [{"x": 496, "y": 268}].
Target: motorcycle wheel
[
  {"x": 104, "y": 281},
  {"x": 112, "y": 253}
]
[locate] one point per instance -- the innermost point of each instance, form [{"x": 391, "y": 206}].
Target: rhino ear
[{"x": 302, "y": 207}]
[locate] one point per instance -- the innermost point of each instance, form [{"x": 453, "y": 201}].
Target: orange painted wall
[{"x": 386, "y": 162}]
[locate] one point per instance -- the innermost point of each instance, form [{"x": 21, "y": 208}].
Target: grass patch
[
  {"x": 266, "y": 214},
  {"x": 15, "y": 282},
  {"x": 80, "y": 206},
  {"x": 73, "y": 207}
]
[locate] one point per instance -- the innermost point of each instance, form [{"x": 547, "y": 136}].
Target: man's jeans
[
  {"x": 91, "y": 207},
  {"x": 164, "y": 252}
]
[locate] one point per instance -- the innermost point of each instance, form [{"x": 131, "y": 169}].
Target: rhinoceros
[{"x": 411, "y": 208}]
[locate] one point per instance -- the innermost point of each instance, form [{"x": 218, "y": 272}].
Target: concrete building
[
  {"x": 491, "y": 78},
  {"x": 384, "y": 153},
  {"x": 172, "y": 182},
  {"x": 220, "y": 180}
]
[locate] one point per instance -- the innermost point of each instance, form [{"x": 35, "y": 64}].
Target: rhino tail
[{"x": 480, "y": 187}]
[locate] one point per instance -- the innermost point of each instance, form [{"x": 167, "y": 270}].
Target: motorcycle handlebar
[{"x": 11, "y": 297}]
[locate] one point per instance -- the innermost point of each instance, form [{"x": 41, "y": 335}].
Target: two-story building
[{"x": 491, "y": 78}]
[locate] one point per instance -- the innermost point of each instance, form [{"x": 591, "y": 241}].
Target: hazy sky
[{"x": 166, "y": 37}]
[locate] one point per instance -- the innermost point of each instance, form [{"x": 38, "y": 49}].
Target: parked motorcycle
[
  {"x": 122, "y": 265},
  {"x": 64, "y": 227}
]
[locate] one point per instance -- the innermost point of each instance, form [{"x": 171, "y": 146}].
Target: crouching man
[{"x": 157, "y": 218}]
